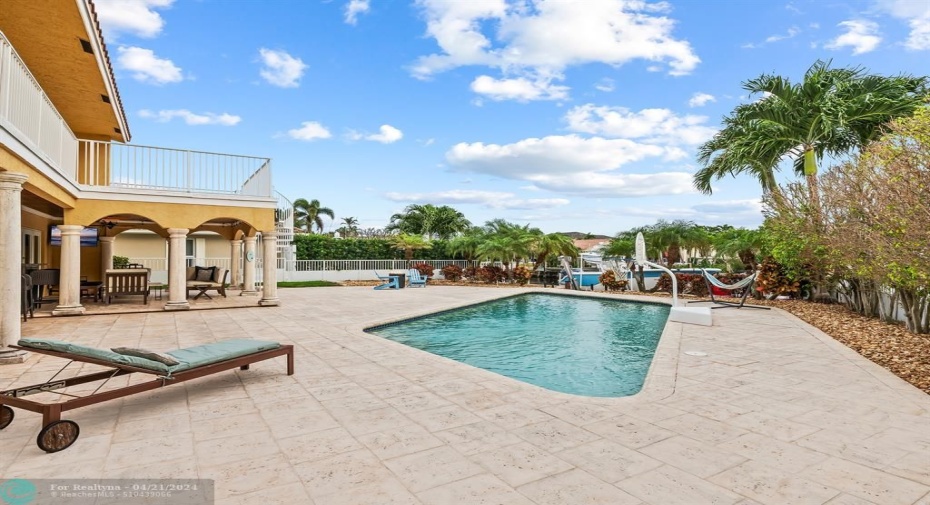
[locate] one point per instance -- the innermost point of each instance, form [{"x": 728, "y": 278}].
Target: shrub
[
  {"x": 470, "y": 273},
  {"x": 611, "y": 282},
  {"x": 425, "y": 269},
  {"x": 120, "y": 261},
  {"x": 452, "y": 272},
  {"x": 774, "y": 279},
  {"x": 688, "y": 284},
  {"x": 521, "y": 275},
  {"x": 490, "y": 274}
]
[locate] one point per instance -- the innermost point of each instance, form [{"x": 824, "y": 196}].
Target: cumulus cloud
[
  {"x": 520, "y": 89},
  {"x": 354, "y": 8},
  {"x": 861, "y": 36},
  {"x": 309, "y": 130},
  {"x": 734, "y": 212},
  {"x": 281, "y": 69},
  {"x": 147, "y": 67},
  {"x": 701, "y": 99},
  {"x": 537, "y": 39},
  {"x": 136, "y": 17},
  {"x": 917, "y": 15},
  {"x": 649, "y": 125},
  {"x": 490, "y": 199},
  {"x": 387, "y": 134},
  {"x": 574, "y": 165},
  {"x": 207, "y": 118}
]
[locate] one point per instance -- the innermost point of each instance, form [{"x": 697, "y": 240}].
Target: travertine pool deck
[{"x": 776, "y": 412}]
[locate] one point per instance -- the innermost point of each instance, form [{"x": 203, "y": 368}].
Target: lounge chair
[
  {"x": 390, "y": 281},
  {"x": 745, "y": 285},
  {"x": 415, "y": 279},
  {"x": 192, "y": 363}
]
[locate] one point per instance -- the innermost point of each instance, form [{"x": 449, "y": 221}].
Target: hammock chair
[{"x": 746, "y": 285}]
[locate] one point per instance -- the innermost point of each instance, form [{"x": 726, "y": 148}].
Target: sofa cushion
[
  {"x": 90, "y": 352},
  {"x": 218, "y": 277},
  {"x": 204, "y": 274},
  {"x": 200, "y": 355}
]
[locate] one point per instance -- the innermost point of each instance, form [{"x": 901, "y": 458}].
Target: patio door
[{"x": 32, "y": 246}]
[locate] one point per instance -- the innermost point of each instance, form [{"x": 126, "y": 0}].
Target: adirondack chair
[
  {"x": 416, "y": 279},
  {"x": 390, "y": 281}
]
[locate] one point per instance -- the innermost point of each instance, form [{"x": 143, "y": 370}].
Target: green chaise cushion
[
  {"x": 193, "y": 357},
  {"x": 90, "y": 352}
]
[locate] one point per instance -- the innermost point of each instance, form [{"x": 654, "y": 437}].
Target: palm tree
[
  {"x": 831, "y": 112},
  {"x": 429, "y": 220},
  {"x": 409, "y": 243},
  {"x": 670, "y": 237},
  {"x": 349, "y": 227},
  {"x": 551, "y": 244},
  {"x": 309, "y": 214},
  {"x": 742, "y": 243},
  {"x": 467, "y": 244}
]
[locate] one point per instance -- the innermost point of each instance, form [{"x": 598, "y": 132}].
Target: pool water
[{"x": 576, "y": 345}]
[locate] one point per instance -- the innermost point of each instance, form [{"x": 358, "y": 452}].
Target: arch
[
  {"x": 171, "y": 215},
  {"x": 113, "y": 224},
  {"x": 227, "y": 227}
]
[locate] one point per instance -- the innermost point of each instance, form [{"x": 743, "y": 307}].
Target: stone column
[
  {"x": 248, "y": 283},
  {"x": 11, "y": 259},
  {"x": 269, "y": 268},
  {"x": 69, "y": 287},
  {"x": 177, "y": 270},
  {"x": 235, "y": 257},
  {"x": 106, "y": 255}
]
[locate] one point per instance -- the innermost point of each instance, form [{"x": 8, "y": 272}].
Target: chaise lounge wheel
[
  {"x": 6, "y": 416},
  {"x": 58, "y": 436}
]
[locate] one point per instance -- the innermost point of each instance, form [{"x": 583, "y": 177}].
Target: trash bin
[{"x": 401, "y": 279}]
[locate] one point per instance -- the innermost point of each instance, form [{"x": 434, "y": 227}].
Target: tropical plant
[
  {"x": 349, "y": 227},
  {"x": 409, "y": 243},
  {"x": 551, "y": 244},
  {"x": 467, "y": 244},
  {"x": 775, "y": 280},
  {"x": 452, "y": 272},
  {"x": 741, "y": 243},
  {"x": 120, "y": 261},
  {"x": 309, "y": 214},
  {"x": 831, "y": 112},
  {"x": 521, "y": 275},
  {"x": 425, "y": 269},
  {"x": 430, "y": 221},
  {"x": 611, "y": 282}
]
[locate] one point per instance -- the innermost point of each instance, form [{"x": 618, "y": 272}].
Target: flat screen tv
[{"x": 88, "y": 237}]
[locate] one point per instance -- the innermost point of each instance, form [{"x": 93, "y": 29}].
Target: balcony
[{"x": 32, "y": 126}]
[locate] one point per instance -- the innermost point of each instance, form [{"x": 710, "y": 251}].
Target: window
[
  {"x": 32, "y": 246},
  {"x": 189, "y": 256}
]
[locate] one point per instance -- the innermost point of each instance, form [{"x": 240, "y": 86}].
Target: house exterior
[{"x": 67, "y": 172}]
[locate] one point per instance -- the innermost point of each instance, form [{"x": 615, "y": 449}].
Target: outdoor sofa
[{"x": 207, "y": 279}]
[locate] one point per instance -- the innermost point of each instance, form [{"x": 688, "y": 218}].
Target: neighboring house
[
  {"x": 65, "y": 168},
  {"x": 591, "y": 245}
]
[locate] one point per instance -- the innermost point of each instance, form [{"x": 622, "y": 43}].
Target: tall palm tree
[
  {"x": 349, "y": 227},
  {"x": 832, "y": 112},
  {"x": 308, "y": 214},
  {"x": 551, "y": 244},
  {"x": 429, "y": 220},
  {"x": 670, "y": 237}
]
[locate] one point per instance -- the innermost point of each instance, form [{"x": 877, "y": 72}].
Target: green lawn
[{"x": 307, "y": 284}]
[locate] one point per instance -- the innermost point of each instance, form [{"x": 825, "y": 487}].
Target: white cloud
[
  {"x": 649, "y": 125},
  {"x": 490, "y": 199},
  {"x": 207, "y": 118},
  {"x": 147, "y": 67},
  {"x": 860, "y": 35},
  {"x": 387, "y": 135},
  {"x": 606, "y": 85},
  {"x": 281, "y": 69},
  {"x": 136, "y": 17},
  {"x": 309, "y": 130},
  {"x": 520, "y": 89},
  {"x": 701, "y": 99},
  {"x": 536, "y": 40},
  {"x": 732, "y": 212},
  {"x": 574, "y": 165},
  {"x": 792, "y": 32},
  {"x": 354, "y": 8},
  {"x": 917, "y": 15}
]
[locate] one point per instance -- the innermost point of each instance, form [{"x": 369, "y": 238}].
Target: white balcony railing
[
  {"x": 27, "y": 112},
  {"x": 125, "y": 166}
]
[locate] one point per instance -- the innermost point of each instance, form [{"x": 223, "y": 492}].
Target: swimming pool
[{"x": 578, "y": 345}]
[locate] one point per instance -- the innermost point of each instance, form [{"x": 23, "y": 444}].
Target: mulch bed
[{"x": 891, "y": 346}]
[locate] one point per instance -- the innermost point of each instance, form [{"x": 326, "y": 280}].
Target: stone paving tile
[
  {"x": 692, "y": 456},
  {"x": 795, "y": 411},
  {"x": 865, "y": 482},
  {"x": 770, "y": 486},
  {"x": 484, "y": 489},
  {"x": 521, "y": 463},
  {"x": 575, "y": 486}
]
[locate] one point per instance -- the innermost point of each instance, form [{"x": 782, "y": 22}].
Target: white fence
[
  {"x": 353, "y": 270},
  {"x": 145, "y": 167},
  {"x": 27, "y": 112}
]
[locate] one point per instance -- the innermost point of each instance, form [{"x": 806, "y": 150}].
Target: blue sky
[{"x": 576, "y": 115}]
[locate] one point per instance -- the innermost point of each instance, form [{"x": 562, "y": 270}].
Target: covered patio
[{"x": 759, "y": 408}]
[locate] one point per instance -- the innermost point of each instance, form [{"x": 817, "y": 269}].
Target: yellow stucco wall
[
  {"x": 37, "y": 182},
  {"x": 145, "y": 245},
  {"x": 171, "y": 215}
]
